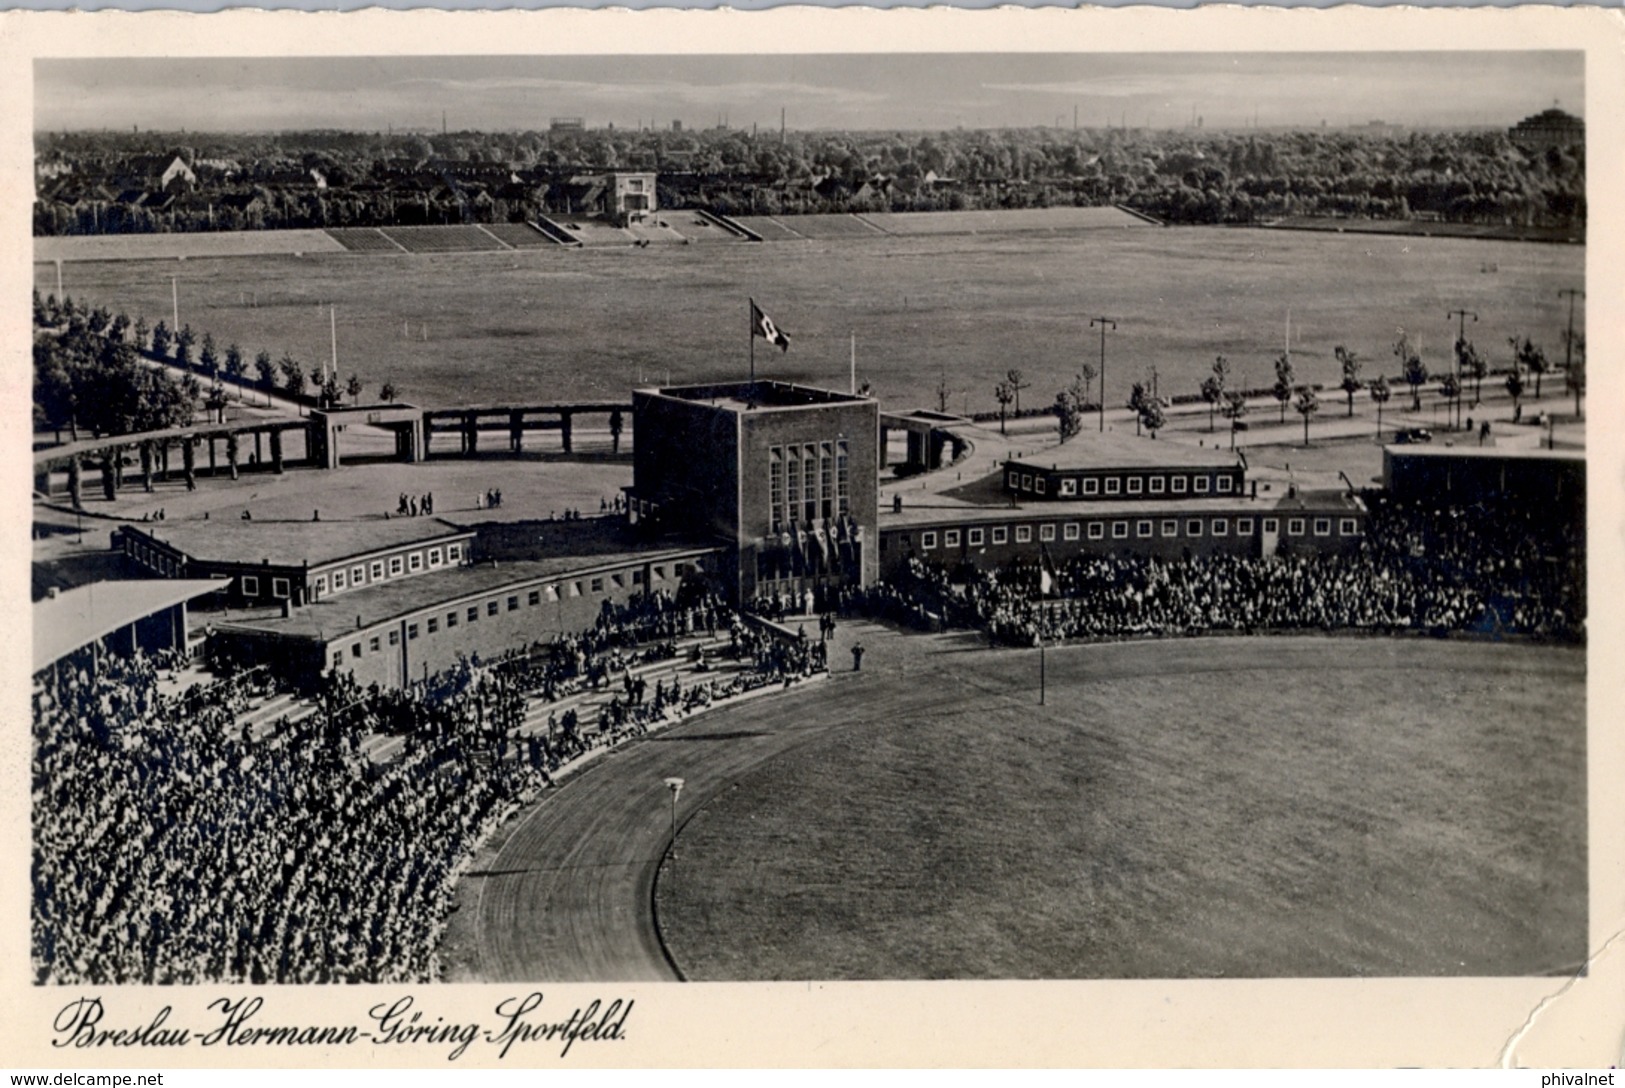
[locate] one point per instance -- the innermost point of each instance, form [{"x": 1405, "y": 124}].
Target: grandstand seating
[
  {"x": 682, "y": 226},
  {"x": 518, "y": 235},
  {"x": 724, "y": 224},
  {"x": 457, "y": 239},
  {"x": 590, "y": 232},
  {"x": 1009, "y": 221},
  {"x": 771, "y": 229},
  {"x": 658, "y": 232},
  {"x": 823, "y": 227},
  {"x": 233, "y": 833},
  {"x": 363, "y": 239},
  {"x": 554, "y": 232}
]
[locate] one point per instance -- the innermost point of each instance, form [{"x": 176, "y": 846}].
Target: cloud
[
  {"x": 919, "y": 91},
  {"x": 623, "y": 93}
]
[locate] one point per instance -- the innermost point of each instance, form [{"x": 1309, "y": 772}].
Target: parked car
[{"x": 1413, "y": 435}]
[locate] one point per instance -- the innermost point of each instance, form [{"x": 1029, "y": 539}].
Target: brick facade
[{"x": 784, "y": 475}]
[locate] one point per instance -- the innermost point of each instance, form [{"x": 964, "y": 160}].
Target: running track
[{"x": 568, "y": 894}]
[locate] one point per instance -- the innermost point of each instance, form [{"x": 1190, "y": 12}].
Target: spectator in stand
[
  {"x": 1487, "y": 567},
  {"x": 184, "y": 840}
]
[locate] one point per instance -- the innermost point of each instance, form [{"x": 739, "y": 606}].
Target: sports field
[
  {"x": 558, "y": 323},
  {"x": 1183, "y": 808},
  {"x": 1196, "y": 809}
]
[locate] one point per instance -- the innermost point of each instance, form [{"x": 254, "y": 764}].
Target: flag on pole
[
  {"x": 762, "y": 325},
  {"x": 1046, "y": 579}
]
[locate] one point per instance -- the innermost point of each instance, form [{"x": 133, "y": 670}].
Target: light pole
[
  {"x": 1568, "y": 344},
  {"x": 1461, "y": 317},
  {"x": 1102, "y": 322},
  {"x": 675, "y": 786}
]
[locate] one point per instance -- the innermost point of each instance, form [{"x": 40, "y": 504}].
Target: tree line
[
  {"x": 89, "y": 375},
  {"x": 1185, "y": 176},
  {"x": 1530, "y": 363}
]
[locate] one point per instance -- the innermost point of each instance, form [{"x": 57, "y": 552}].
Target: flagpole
[
  {"x": 333, "y": 328},
  {"x": 854, "y": 380},
  {"x": 750, "y": 321}
]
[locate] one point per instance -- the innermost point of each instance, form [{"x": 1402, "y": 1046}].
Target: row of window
[
  {"x": 807, "y": 481},
  {"x": 359, "y": 575},
  {"x": 379, "y": 570},
  {"x": 250, "y": 585},
  {"x": 1067, "y": 486},
  {"x": 151, "y": 557},
  {"x": 1143, "y": 527},
  {"x": 509, "y": 602}
]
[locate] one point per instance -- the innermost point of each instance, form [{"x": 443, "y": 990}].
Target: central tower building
[{"x": 785, "y": 475}]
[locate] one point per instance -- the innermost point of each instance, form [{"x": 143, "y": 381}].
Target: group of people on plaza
[{"x": 411, "y": 506}]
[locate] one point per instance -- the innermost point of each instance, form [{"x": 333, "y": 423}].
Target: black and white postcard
[{"x": 813, "y": 537}]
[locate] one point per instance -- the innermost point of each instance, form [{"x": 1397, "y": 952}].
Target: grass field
[
  {"x": 1179, "y": 809},
  {"x": 453, "y": 329}
]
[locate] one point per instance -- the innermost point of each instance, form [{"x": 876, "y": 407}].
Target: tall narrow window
[
  {"x": 842, "y": 499},
  {"x": 775, "y": 485},
  {"x": 826, "y": 480},
  {"x": 809, "y": 482},
  {"x": 793, "y": 487}
]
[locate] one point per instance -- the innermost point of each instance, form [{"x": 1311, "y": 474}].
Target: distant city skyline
[{"x": 846, "y": 91}]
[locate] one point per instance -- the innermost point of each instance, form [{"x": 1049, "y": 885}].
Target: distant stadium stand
[
  {"x": 554, "y": 232},
  {"x": 1011, "y": 221},
  {"x": 770, "y": 229},
  {"x": 830, "y": 227},
  {"x": 518, "y": 235},
  {"x": 363, "y": 240},
  {"x": 453, "y": 239}
]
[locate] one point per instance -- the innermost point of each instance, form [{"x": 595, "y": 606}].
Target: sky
[{"x": 874, "y": 91}]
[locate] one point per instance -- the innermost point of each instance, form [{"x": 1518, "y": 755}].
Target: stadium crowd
[
  {"x": 183, "y": 839},
  {"x": 1490, "y": 568},
  {"x": 172, "y": 845}
]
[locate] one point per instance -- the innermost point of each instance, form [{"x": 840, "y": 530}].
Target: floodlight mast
[
  {"x": 1461, "y": 317},
  {"x": 1568, "y": 345},
  {"x": 1102, "y": 322}
]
